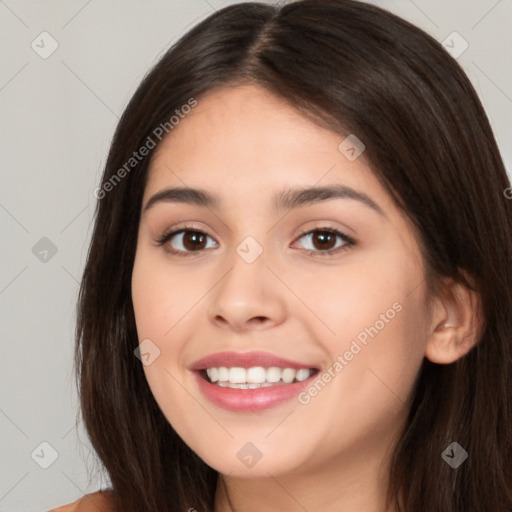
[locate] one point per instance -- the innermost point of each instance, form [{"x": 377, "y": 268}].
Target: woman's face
[{"x": 323, "y": 292}]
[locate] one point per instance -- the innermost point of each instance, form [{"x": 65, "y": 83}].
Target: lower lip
[{"x": 250, "y": 400}]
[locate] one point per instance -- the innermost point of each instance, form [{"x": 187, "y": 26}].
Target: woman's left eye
[
  {"x": 324, "y": 241},
  {"x": 321, "y": 241}
]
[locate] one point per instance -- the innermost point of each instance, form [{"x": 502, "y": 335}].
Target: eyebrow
[{"x": 284, "y": 200}]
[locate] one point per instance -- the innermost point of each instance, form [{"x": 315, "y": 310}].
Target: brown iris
[
  {"x": 194, "y": 240},
  {"x": 324, "y": 239}
]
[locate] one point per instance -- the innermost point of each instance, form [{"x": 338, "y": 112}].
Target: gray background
[{"x": 57, "y": 116}]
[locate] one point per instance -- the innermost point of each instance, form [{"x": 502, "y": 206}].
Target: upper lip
[{"x": 246, "y": 360}]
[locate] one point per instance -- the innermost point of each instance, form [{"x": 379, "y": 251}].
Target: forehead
[
  {"x": 247, "y": 117},
  {"x": 246, "y": 142}
]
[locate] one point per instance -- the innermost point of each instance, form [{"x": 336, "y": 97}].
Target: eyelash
[{"x": 349, "y": 241}]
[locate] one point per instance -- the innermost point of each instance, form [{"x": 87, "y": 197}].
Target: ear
[{"x": 456, "y": 324}]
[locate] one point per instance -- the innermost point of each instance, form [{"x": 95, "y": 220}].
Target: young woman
[{"x": 298, "y": 294}]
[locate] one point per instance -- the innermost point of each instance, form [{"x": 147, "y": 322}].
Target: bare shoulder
[{"x": 98, "y": 501}]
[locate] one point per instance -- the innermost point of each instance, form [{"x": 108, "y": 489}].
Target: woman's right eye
[{"x": 185, "y": 241}]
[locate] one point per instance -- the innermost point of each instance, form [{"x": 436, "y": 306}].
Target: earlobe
[{"x": 456, "y": 324}]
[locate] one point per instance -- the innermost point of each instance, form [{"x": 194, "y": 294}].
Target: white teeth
[
  {"x": 223, "y": 374},
  {"x": 237, "y": 375},
  {"x": 273, "y": 374},
  {"x": 255, "y": 377},
  {"x": 213, "y": 374},
  {"x": 302, "y": 374},
  {"x": 288, "y": 374}
]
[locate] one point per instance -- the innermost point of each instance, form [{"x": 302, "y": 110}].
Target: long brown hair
[{"x": 354, "y": 68}]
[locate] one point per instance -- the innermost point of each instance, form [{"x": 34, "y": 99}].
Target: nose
[{"x": 249, "y": 296}]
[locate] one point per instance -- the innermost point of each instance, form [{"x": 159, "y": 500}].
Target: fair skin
[{"x": 244, "y": 145}]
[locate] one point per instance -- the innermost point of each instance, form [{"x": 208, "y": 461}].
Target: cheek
[
  {"x": 372, "y": 317},
  {"x": 158, "y": 308},
  {"x": 341, "y": 302},
  {"x": 165, "y": 302},
  {"x": 161, "y": 297}
]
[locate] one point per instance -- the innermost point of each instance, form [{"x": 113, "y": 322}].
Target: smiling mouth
[{"x": 256, "y": 377}]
